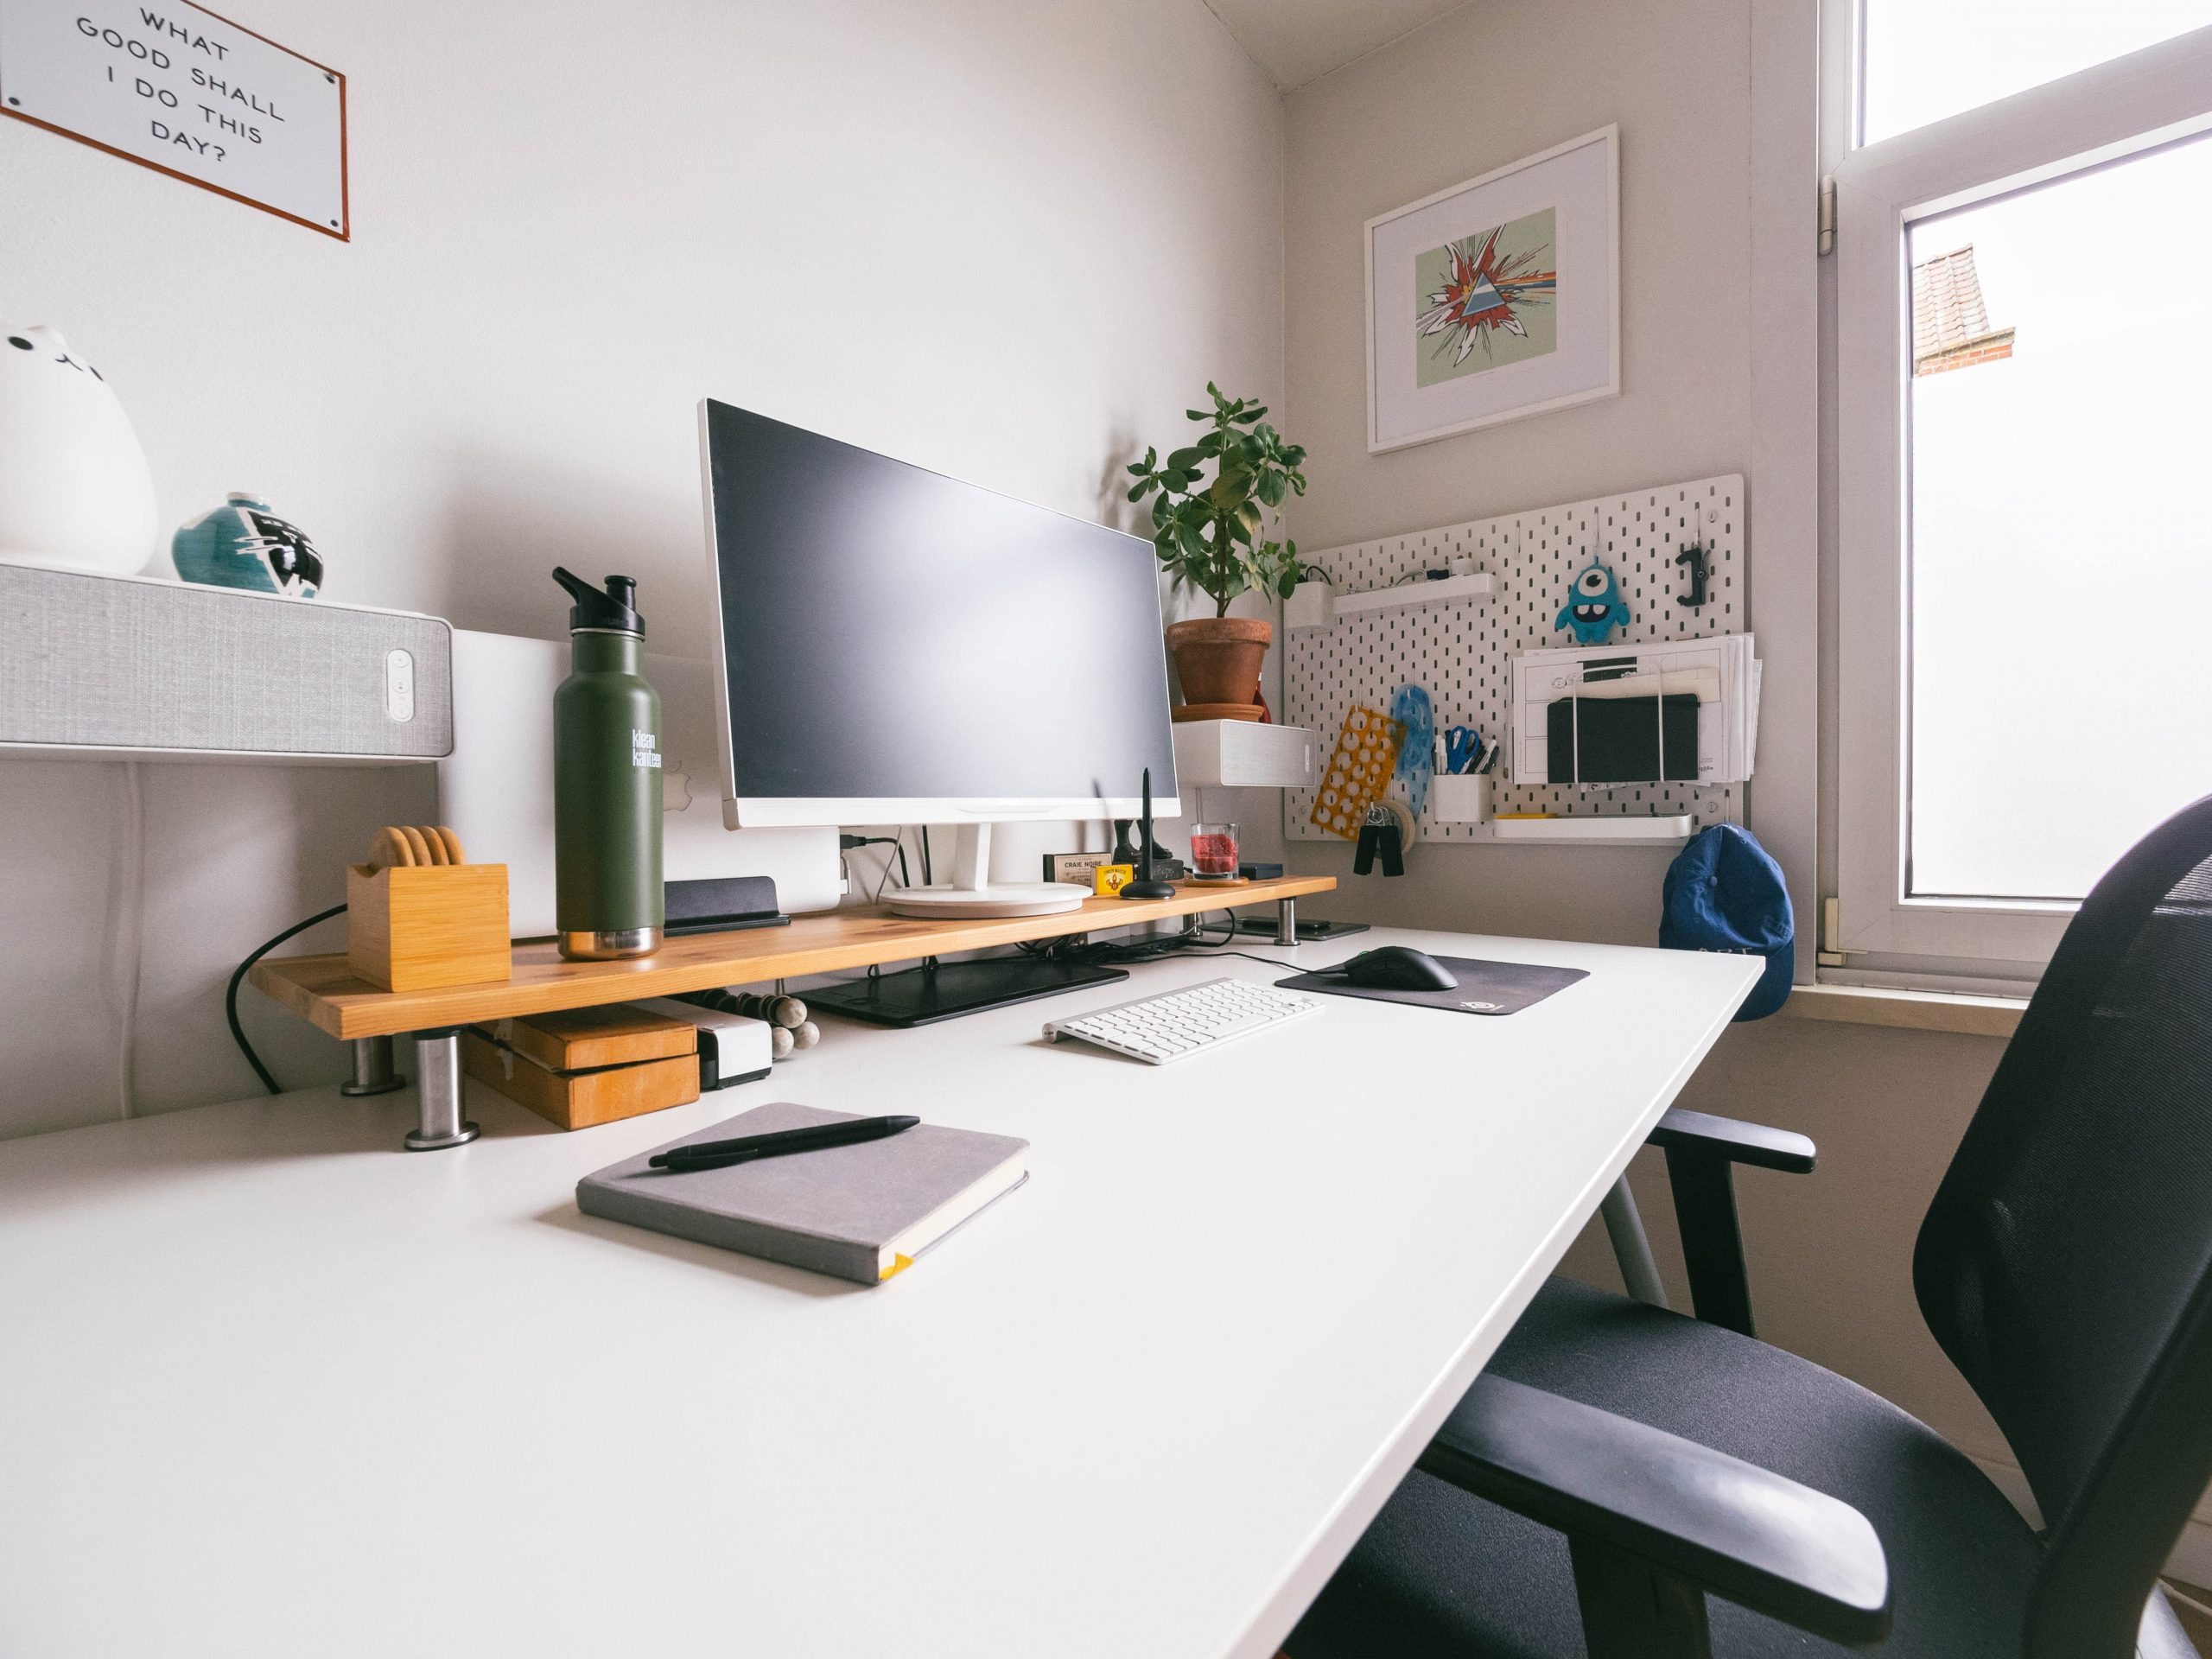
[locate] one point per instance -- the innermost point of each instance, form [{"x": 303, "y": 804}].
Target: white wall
[
  {"x": 1483, "y": 88},
  {"x": 1011, "y": 243}
]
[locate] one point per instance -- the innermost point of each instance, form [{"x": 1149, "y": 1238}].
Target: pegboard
[{"x": 1463, "y": 650}]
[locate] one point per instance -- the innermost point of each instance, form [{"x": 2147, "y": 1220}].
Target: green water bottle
[{"x": 607, "y": 797}]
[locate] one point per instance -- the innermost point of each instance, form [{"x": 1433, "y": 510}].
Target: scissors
[{"x": 1463, "y": 748}]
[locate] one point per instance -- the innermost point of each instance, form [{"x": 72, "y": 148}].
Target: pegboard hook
[{"x": 1700, "y": 572}]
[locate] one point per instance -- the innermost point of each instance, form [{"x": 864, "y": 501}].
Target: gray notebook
[{"x": 861, "y": 1212}]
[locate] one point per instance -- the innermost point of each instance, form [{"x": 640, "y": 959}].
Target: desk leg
[
  {"x": 438, "y": 1074},
  {"x": 1286, "y": 921},
  {"x": 372, "y": 1072},
  {"x": 1630, "y": 1247}
]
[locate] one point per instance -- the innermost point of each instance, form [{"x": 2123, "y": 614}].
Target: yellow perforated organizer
[{"x": 1359, "y": 771}]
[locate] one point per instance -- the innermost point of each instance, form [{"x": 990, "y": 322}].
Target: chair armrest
[
  {"x": 1701, "y": 1151},
  {"x": 1724, "y": 1525},
  {"x": 1737, "y": 1141}
]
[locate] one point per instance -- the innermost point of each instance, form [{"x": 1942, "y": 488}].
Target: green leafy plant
[{"x": 1211, "y": 532}]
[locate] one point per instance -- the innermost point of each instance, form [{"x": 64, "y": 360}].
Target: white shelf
[
  {"x": 1616, "y": 827},
  {"x": 1481, "y": 585},
  {"x": 1245, "y": 753}
]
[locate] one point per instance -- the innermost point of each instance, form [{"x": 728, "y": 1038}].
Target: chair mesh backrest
[{"x": 2066, "y": 1263}]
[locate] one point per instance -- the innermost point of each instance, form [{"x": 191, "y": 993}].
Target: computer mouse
[{"x": 1395, "y": 968}]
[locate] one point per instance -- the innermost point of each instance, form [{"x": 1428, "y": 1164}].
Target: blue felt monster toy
[{"x": 1594, "y": 607}]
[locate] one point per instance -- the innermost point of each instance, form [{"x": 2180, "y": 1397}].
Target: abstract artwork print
[{"x": 1487, "y": 300}]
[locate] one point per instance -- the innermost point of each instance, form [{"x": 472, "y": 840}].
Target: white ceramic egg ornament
[{"x": 74, "y": 487}]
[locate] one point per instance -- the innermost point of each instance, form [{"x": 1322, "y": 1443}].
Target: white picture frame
[{"x": 1435, "y": 367}]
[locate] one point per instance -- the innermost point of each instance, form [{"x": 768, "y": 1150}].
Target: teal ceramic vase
[{"x": 242, "y": 544}]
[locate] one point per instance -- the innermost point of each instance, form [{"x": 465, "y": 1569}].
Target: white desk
[{"x": 271, "y": 1387}]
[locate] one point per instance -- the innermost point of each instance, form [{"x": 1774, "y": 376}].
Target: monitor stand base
[
  {"x": 945, "y": 990},
  {"x": 972, "y": 893},
  {"x": 1036, "y": 899}
]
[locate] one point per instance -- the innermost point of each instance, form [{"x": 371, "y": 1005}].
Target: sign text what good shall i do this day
[{"x": 177, "y": 88}]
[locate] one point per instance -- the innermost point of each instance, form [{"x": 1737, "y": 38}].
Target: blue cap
[{"x": 1724, "y": 892}]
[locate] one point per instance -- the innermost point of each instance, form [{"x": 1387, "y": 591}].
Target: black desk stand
[{"x": 1145, "y": 887}]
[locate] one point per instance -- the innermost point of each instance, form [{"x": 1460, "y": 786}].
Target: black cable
[
  {"x": 1149, "y": 950},
  {"x": 1107, "y": 953},
  {"x": 846, "y": 843},
  {"x": 928, "y": 879},
  {"x": 1197, "y": 938},
  {"x": 1221, "y": 948},
  {"x": 1272, "y": 962},
  {"x": 231, "y": 996}
]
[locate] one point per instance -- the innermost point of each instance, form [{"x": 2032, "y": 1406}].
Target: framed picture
[{"x": 1497, "y": 298}]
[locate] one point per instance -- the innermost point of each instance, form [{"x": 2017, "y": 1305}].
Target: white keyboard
[{"x": 1176, "y": 1025}]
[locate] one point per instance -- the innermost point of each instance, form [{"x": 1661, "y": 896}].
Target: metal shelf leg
[
  {"x": 437, "y": 1072},
  {"x": 372, "y": 1072},
  {"x": 1286, "y": 921}
]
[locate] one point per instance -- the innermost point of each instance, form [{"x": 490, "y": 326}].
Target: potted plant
[{"x": 1213, "y": 506}]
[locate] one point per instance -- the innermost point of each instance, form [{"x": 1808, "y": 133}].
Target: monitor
[{"x": 897, "y": 646}]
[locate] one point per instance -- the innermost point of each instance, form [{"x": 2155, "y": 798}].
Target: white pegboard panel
[{"x": 1463, "y": 650}]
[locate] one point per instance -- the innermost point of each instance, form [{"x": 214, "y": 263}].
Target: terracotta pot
[{"x": 1217, "y": 657}]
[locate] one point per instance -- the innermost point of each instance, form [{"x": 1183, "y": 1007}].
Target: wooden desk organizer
[{"x": 420, "y": 927}]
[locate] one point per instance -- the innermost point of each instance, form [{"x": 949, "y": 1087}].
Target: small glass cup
[{"x": 1213, "y": 852}]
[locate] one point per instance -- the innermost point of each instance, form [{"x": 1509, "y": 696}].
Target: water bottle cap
[{"x": 616, "y": 608}]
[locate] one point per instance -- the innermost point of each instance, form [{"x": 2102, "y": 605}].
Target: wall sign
[{"x": 175, "y": 87}]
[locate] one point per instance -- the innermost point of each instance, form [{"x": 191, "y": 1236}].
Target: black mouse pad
[{"x": 1483, "y": 986}]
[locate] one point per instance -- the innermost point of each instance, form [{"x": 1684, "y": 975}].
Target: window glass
[
  {"x": 1928, "y": 59},
  {"x": 2060, "y": 529}
]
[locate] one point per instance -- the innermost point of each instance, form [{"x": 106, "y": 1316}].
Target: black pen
[{"x": 715, "y": 1155}]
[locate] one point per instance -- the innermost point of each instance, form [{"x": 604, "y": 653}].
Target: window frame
[{"x": 2107, "y": 113}]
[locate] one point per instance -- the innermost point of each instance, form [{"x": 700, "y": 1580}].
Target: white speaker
[{"x": 137, "y": 667}]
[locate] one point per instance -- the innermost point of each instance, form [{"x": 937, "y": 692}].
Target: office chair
[{"x": 1627, "y": 1481}]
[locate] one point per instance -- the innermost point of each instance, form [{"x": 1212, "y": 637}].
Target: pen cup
[
  {"x": 1459, "y": 798},
  {"x": 423, "y": 927}
]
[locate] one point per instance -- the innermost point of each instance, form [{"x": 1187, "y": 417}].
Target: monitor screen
[{"x": 895, "y": 642}]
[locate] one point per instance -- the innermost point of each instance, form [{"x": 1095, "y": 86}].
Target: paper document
[{"x": 1721, "y": 673}]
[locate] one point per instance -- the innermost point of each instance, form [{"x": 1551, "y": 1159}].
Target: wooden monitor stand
[{"x": 323, "y": 990}]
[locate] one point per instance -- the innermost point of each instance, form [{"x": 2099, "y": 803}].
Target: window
[
  {"x": 2023, "y": 431},
  {"x": 1927, "y": 59}
]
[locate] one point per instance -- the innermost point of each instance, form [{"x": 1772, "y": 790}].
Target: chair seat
[{"x": 1446, "y": 1574}]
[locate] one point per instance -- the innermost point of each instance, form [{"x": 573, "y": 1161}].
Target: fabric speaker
[{"x": 127, "y": 665}]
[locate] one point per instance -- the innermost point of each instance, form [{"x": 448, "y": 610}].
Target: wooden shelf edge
[{"x": 322, "y": 990}]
